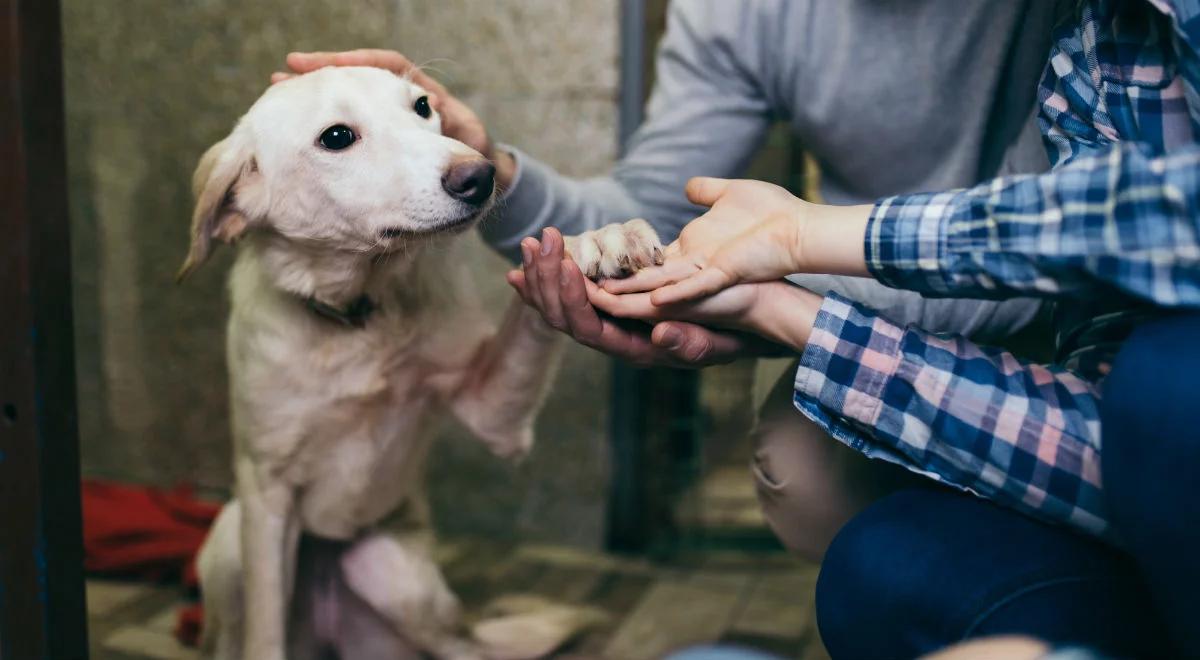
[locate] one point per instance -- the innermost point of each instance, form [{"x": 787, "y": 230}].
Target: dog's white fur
[{"x": 325, "y": 546}]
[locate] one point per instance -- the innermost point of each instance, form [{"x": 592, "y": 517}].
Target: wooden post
[{"x": 42, "y": 613}]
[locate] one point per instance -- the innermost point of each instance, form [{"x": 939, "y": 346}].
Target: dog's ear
[{"x": 224, "y": 172}]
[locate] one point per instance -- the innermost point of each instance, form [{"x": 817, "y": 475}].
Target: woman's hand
[
  {"x": 776, "y": 311},
  {"x": 754, "y": 232},
  {"x": 459, "y": 121}
]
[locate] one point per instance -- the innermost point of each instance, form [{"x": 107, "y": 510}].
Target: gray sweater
[{"x": 889, "y": 96}]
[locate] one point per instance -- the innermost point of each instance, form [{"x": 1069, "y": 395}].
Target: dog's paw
[{"x": 616, "y": 250}]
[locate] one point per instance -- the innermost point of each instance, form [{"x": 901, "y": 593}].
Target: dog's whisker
[{"x": 425, "y": 67}]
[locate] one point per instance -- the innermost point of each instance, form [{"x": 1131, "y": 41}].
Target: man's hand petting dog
[{"x": 459, "y": 121}]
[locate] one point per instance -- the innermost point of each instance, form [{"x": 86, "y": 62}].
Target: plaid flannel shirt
[{"x": 1117, "y": 218}]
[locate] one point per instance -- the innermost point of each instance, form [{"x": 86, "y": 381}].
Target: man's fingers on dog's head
[
  {"x": 280, "y": 76},
  {"x": 374, "y": 57},
  {"x": 432, "y": 86},
  {"x": 378, "y": 58},
  {"x": 393, "y": 61},
  {"x": 397, "y": 63},
  {"x": 303, "y": 62}
]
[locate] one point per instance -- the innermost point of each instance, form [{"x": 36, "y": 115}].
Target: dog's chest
[
  {"x": 352, "y": 472},
  {"x": 366, "y": 457},
  {"x": 347, "y": 423}
]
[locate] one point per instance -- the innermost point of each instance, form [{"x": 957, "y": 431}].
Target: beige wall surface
[{"x": 150, "y": 84}]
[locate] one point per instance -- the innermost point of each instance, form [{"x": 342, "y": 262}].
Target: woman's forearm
[
  {"x": 785, "y": 315},
  {"x": 831, "y": 240}
]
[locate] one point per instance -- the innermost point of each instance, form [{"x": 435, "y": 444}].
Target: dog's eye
[
  {"x": 421, "y": 107},
  {"x": 336, "y": 138}
]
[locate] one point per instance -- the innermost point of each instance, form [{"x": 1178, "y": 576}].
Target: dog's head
[{"x": 348, "y": 159}]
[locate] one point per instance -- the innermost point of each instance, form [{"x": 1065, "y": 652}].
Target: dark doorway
[{"x": 41, "y": 554}]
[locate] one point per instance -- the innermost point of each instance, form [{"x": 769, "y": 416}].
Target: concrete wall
[{"x": 150, "y": 84}]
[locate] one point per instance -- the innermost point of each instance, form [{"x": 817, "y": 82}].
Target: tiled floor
[
  {"x": 128, "y": 621},
  {"x": 762, "y": 600}
]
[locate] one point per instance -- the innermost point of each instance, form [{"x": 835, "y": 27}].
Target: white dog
[{"x": 347, "y": 343}]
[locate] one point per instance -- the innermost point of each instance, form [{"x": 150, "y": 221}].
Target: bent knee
[
  {"x": 810, "y": 485},
  {"x": 796, "y": 502},
  {"x": 868, "y": 574}
]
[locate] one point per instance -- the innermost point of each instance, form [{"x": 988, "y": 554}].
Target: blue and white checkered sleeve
[
  {"x": 1122, "y": 219},
  {"x": 1072, "y": 113},
  {"x": 1023, "y": 435}
]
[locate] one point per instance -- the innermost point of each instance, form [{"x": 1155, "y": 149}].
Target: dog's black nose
[{"x": 470, "y": 181}]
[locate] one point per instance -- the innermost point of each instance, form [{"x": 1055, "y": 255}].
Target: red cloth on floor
[
  {"x": 189, "y": 625},
  {"x": 140, "y": 530},
  {"x": 146, "y": 532}
]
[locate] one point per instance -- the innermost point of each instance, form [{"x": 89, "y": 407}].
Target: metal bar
[
  {"x": 633, "y": 69},
  {"x": 626, "y": 507},
  {"x": 651, "y": 451},
  {"x": 42, "y": 613}
]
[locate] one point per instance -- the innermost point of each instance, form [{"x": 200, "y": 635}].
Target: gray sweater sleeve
[{"x": 708, "y": 115}]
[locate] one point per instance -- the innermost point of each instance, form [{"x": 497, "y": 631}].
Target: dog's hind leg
[
  {"x": 393, "y": 574},
  {"x": 364, "y": 633},
  {"x": 219, "y": 566}
]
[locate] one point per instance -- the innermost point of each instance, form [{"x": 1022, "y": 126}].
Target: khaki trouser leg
[{"x": 809, "y": 484}]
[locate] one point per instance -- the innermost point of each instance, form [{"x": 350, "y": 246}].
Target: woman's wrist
[
  {"x": 784, "y": 314},
  {"x": 830, "y": 239}
]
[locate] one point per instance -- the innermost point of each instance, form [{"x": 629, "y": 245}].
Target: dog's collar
[{"x": 354, "y": 315}]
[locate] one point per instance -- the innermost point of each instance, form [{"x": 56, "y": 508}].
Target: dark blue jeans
[
  {"x": 924, "y": 568},
  {"x": 1151, "y": 466}
]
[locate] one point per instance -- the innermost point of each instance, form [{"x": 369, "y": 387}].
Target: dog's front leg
[
  {"x": 270, "y": 536},
  {"x": 512, "y": 371},
  {"x": 507, "y": 382}
]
